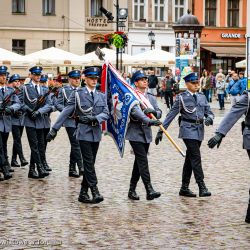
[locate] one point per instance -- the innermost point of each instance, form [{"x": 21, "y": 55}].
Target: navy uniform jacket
[
  {"x": 29, "y": 101},
  {"x": 138, "y": 129},
  {"x": 233, "y": 116},
  {"x": 62, "y": 100},
  {"x": 85, "y": 132},
  {"x": 46, "y": 117},
  {"x": 186, "y": 105},
  {"x": 5, "y": 120}
]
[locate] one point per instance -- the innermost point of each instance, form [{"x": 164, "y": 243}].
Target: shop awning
[{"x": 227, "y": 51}]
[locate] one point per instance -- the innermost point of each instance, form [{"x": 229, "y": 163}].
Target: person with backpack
[{"x": 169, "y": 90}]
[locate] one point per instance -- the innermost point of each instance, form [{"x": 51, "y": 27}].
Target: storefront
[{"x": 222, "y": 48}]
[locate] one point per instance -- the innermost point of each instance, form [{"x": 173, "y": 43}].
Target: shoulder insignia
[{"x": 200, "y": 93}]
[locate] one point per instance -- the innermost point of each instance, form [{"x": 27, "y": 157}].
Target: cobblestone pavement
[{"x": 46, "y": 214}]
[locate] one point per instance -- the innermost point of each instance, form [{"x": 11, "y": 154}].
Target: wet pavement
[{"x": 45, "y": 214}]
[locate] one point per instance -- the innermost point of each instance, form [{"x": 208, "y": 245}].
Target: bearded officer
[
  {"x": 91, "y": 107},
  {"x": 34, "y": 121},
  {"x": 139, "y": 134},
  {"x": 17, "y": 129},
  {"x": 193, "y": 108},
  {"x": 70, "y": 123},
  {"x": 5, "y": 120},
  {"x": 240, "y": 108}
]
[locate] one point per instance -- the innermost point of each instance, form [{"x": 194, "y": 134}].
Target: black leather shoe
[
  {"x": 133, "y": 195},
  {"x": 7, "y": 175},
  {"x": 14, "y": 163},
  {"x": 203, "y": 191},
  {"x": 97, "y": 198},
  {"x": 32, "y": 172},
  {"x": 41, "y": 171},
  {"x": 46, "y": 166},
  {"x": 185, "y": 191},
  {"x": 151, "y": 193},
  {"x": 83, "y": 196},
  {"x": 72, "y": 171},
  {"x": 247, "y": 220},
  {"x": 23, "y": 161},
  {"x": 1, "y": 178}
]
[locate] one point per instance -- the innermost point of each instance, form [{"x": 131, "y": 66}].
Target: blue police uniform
[
  {"x": 17, "y": 132},
  {"x": 5, "y": 120},
  {"x": 35, "y": 123},
  {"x": 92, "y": 109},
  {"x": 192, "y": 108},
  {"x": 139, "y": 134},
  {"x": 70, "y": 127}
]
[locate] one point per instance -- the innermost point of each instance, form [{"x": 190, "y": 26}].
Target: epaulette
[
  {"x": 79, "y": 89},
  {"x": 200, "y": 93}
]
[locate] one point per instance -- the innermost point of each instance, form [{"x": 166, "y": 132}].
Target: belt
[
  {"x": 138, "y": 122},
  {"x": 193, "y": 121}
]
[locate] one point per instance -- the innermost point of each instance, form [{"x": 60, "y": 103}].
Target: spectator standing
[
  {"x": 242, "y": 82},
  {"x": 220, "y": 73},
  {"x": 169, "y": 90},
  {"x": 205, "y": 84},
  {"x": 212, "y": 85},
  {"x": 220, "y": 89},
  {"x": 233, "y": 88},
  {"x": 152, "y": 83}
]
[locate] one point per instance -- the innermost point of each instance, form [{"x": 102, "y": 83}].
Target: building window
[
  {"x": 49, "y": 7},
  {"x": 18, "y": 6},
  {"x": 95, "y": 8},
  {"x": 210, "y": 13},
  {"x": 48, "y": 44},
  {"x": 159, "y": 10},
  {"x": 18, "y": 46},
  {"x": 139, "y": 9},
  {"x": 179, "y": 9},
  {"x": 233, "y": 13}
]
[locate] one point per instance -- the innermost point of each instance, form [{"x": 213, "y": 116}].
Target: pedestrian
[
  {"x": 193, "y": 107},
  {"x": 70, "y": 125},
  {"x": 152, "y": 83},
  {"x": 17, "y": 129},
  {"x": 242, "y": 82},
  {"x": 241, "y": 107},
  {"x": 35, "y": 105},
  {"x": 91, "y": 107},
  {"x": 139, "y": 134},
  {"x": 220, "y": 73},
  {"x": 7, "y": 108},
  {"x": 205, "y": 84},
  {"x": 169, "y": 90},
  {"x": 212, "y": 90},
  {"x": 234, "y": 89},
  {"x": 220, "y": 88}
]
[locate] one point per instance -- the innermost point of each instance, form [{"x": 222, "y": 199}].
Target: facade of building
[{"x": 223, "y": 41}]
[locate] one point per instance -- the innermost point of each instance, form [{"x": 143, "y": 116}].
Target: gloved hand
[
  {"x": 87, "y": 119},
  {"x": 29, "y": 110},
  {"x": 208, "y": 121},
  {"x": 158, "y": 137},
  {"x": 154, "y": 123},
  {"x": 35, "y": 114},
  {"x": 51, "y": 135},
  {"x": 216, "y": 140},
  {"x": 8, "y": 110},
  {"x": 18, "y": 113},
  {"x": 150, "y": 111}
]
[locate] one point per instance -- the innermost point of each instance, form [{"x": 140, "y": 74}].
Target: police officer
[
  {"x": 34, "y": 121},
  {"x": 139, "y": 134},
  {"x": 241, "y": 107},
  {"x": 91, "y": 106},
  {"x": 193, "y": 107},
  {"x": 17, "y": 129},
  {"x": 70, "y": 123},
  {"x": 6, "y": 110}
]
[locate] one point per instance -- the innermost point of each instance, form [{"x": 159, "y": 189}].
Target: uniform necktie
[
  {"x": 36, "y": 87},
  {"x": 195, "y": 97},
  {"x": 92, "y": 95}
]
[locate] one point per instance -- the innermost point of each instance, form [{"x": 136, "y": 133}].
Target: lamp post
[{"x": 151, "y": 36}]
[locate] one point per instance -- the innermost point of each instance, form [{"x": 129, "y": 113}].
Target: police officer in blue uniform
[
  {"x": 6, "y": 110},
  {"x": 91, "y": 107},
  {"x": 17, "y": 129},
  {"x": 193, "y": 107},
  {"x": 139, "y": 134},
  {"x": 34, "y": 122},
  {"x": 70, "y": 123},
  {"x": 240, "y": 108}
]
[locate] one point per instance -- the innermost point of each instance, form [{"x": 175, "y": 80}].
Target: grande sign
[{"x": 231, "y": 35}]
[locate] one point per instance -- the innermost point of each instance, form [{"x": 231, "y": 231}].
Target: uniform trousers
[
  {"x": 89, "y": 151},
  {"x": 3, "y": 148},
  {"x": 140, "y": 167},
  {"x": 248, "y": 210},
  {"x": 192, "y": 161},
  {"x": 36, "y": 143},
  {"x": 75, "y": 151},
  {"x": 17, "y": 132},
  {"x": 45, "y": 132}
]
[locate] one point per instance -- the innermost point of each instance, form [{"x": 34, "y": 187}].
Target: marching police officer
[
  {"x": 139, "y": 134},
  {"x": 17, "y": 129},
  {"x": 70, "y": 123},
  {"x": 7, "y": 108},
  {"x": 241, "y": 107},
  {"x": 193, "y": 107},
  {"x": 34, "y": 121},
  {"x": 91, "y": 106}
]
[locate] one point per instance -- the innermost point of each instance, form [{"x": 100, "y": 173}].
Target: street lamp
[{"x": 151, "y": 36}]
